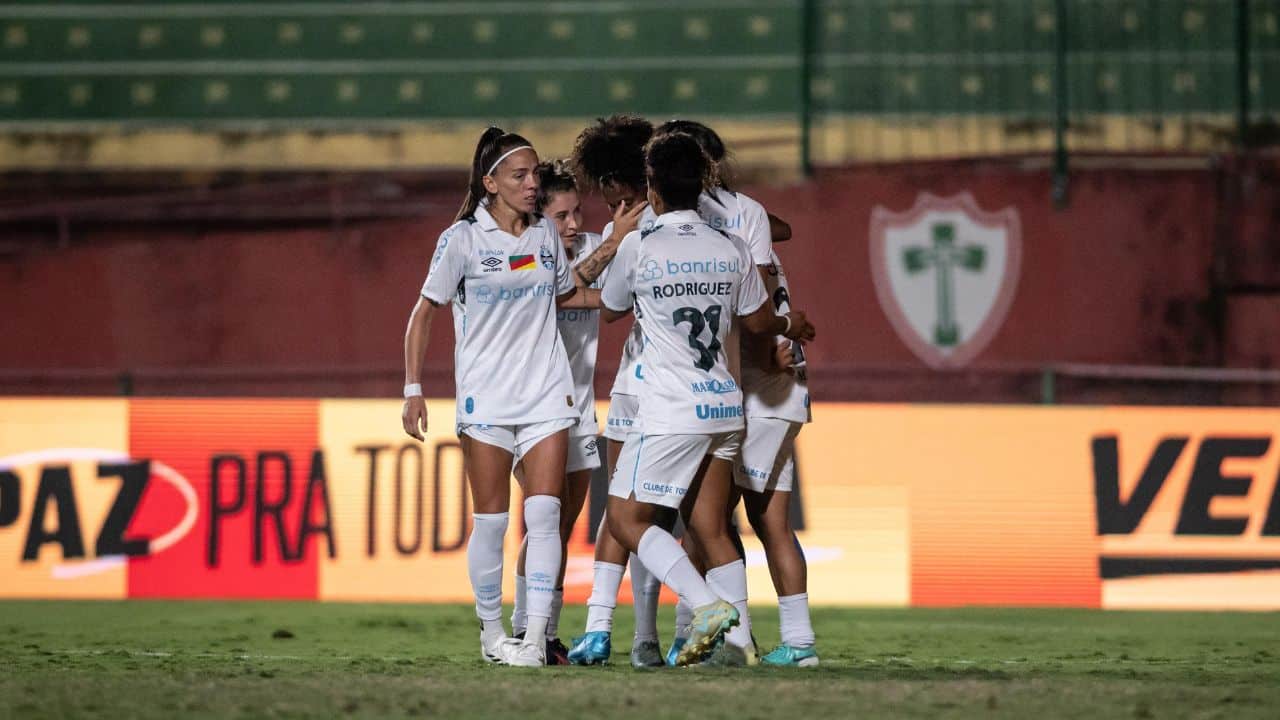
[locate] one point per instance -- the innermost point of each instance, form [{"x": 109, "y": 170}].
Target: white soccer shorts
[
  {"x": 659, "y": 469},
  {"x": 624, "y": 412},
  {"x": 768, "y": 457},
  {"x": 584, "y": 453},
  {"x": 516, "y": 439}
]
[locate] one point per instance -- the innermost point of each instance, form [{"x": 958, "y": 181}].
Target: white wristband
[
  {"x": 413, "y": 390},
  {"x": 788, "y": 319}
]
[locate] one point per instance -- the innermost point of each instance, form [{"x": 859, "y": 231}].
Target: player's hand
[
  {"x": 801, "y": 329},
  {"x": 784, "y": 356},
  {"x": 414, "y": 417},
  {"x": 627, "y": 219}
]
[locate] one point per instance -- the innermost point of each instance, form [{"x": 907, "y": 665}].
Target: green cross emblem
[{"x": 944, "y": 257}]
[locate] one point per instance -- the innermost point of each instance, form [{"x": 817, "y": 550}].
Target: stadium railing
[{"x": 1062, "y": 383}]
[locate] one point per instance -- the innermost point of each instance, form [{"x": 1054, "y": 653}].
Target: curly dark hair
[
  {"x": 678, "y": 169},
  {"x": 611, "y": 151}
]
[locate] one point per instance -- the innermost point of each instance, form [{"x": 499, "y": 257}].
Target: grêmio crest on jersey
[{"x": 945, "y": 272}]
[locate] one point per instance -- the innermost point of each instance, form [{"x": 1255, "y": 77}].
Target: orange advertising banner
[{"x": 1112, "y": 507}]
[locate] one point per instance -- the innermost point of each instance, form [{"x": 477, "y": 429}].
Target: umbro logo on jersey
[
  {"x": 492, "y": 264},
  {"x": 521, "y": 262},
  {"x": 685, "y": 229}
]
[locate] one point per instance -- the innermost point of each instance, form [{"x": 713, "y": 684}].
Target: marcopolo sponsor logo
[
  {"x": 714, "y": 386},
  {"x": 709, "y": 265},
  {"x": 696, "y": 289},
  {"x": 707, "y": 411},
  {"x": 1235, "y": 530}
]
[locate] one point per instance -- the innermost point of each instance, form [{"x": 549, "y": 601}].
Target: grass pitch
[{"x": 277, "y": 659}]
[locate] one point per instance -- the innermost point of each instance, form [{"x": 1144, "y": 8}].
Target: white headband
[{"x": 504, "y": 156}]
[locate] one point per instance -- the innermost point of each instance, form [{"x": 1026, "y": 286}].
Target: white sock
[
  {"x": 557, "y": 605},
  {"x": 644, "y": 594},
  {"x": 730, "y": 582},
  {"x": 664, "y": 557},
  {"x": 519, "y": 616},
  {"x": 484, "y": 565},
  {"x": 604, "y": 596},
  {"x": 541, "y": 562},
  {"x": 684, "y": 619},
  {"x": 793, "y": 613}
]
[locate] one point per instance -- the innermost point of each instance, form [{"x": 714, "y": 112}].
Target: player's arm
[
  {"x": 793, "y": 325},
  {"x": 625, "y": 220},
  {"x": 584, "y": 299},
  {"x": 766, "y": 353},
  {"x": 779, "y": 230},
  {"x": 414, "y": 413}
]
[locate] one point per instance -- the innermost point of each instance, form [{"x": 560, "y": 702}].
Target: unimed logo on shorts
[{"x": 1198, "y": 504}]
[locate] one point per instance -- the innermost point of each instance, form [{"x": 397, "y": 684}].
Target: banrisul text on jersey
[{"x": 688, "y": 284}]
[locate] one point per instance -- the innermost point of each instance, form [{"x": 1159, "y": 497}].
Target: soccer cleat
[
  {"x": 710, "y": 623},
  {"x": 491, "y": 649},
  {"x": 523, "y": 654},
  {"x": 789, "y": 656},
  {"x": 646, "y": 653},
  {"x": 557, "y": 653},
  {"x": 674, "y": 651},
  {"x": 727, "y": 654},
  {"x": 591, "y": 648}
]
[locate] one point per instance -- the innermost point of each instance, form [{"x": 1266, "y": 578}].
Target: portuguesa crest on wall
[{"x": 945, "y": 273}]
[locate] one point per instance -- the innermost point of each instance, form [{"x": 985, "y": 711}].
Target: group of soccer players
[{"x": 704, "y": 412}]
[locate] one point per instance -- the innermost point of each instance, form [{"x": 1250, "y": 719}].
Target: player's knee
[{"x": 542, "y": 515}]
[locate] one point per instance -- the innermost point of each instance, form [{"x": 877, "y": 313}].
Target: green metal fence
[{"x": 859, "y": 79}]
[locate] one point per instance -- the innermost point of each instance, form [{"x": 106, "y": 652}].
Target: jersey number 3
[{"x": 699, "y": 321}]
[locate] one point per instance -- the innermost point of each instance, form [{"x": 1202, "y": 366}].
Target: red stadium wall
[{"x": 1126, "y": 274}]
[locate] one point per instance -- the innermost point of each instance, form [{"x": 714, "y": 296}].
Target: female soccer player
[
  {"x": 776, "y": 399},
  {"x": 507, "y": 271},
  {"x": 609, "y": 155},
  {"x": 687, "y": 283},
  {"x": 558, "y": 201}
]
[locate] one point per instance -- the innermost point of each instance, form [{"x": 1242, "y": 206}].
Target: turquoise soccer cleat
[
  {"x": 674, "y": 651},
  {"x": 789, "y": 656},
  {"x": 592, "y": 648}
]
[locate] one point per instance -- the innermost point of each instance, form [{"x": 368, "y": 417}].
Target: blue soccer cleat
[
  {"x": 674, "y": 651},
  {"x": 790, "y": 656},
  {"x": 592, "y": 648}
]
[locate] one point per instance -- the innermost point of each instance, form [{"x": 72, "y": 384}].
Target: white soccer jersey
[
  {"x": 580, "y": 331},
  {"x": 688, "y": 284},
  {"x": 737, "y": 214},
  {"x": 509, "y": 362},
  {"x": 629, "y": 377},
  {"x": 777, "y": 395}
]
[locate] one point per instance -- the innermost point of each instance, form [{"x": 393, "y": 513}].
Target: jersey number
[{"x": 698, "y": 321}]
